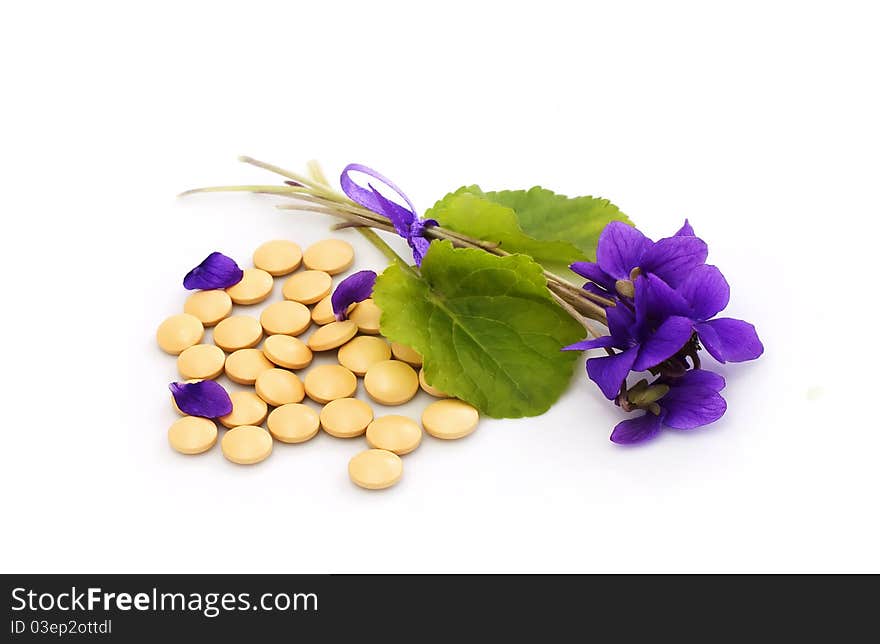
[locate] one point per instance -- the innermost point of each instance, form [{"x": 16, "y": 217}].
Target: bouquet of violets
[{"x": 504, "y": 286}]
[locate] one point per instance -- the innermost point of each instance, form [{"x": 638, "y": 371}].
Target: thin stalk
[{"x": 371, "y": 236}]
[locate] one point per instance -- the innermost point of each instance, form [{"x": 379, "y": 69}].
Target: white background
[{"x": 758, "y": 122}]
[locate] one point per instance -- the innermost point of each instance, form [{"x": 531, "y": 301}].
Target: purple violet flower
[
  {"x": 406, "y": 222},
  {"x": 691, "y": 400},
  {"x": 216, "y": 271},
  {"x": 622, "y": 249},
  {"x": 205, "y": 398},
  {"x": 355, "y": 288}
]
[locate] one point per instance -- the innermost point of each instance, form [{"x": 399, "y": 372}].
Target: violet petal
[
  {"x": 706, "y": 290},
  {"x": 620, "y": 249},
  {"x": 609, "y": 372},
  {"x": 686, "y": 230},
  {"x": 205, "y": 398},
  {"x": 216, "y": 271},
  {"x": 730, "y": 340},
  {"x": 355, "y": 288},
  {"x": 655, "y": 300},
  {"x": 636, "y": 430},
  {"x": 673, "y": 258},
  {"x": 697, "y": 377},
  {"x": 592, "y": 272},
  {"x": 688, "y": 407},
  {"x": 664, "y": 343},
  {"x": 602, "y": 342}
]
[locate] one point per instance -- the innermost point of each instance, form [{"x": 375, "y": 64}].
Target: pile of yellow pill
[{"x": 280, "y": 388}]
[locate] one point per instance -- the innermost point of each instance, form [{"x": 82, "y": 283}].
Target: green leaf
[
  {"x": 545, "y": 215},
  {"x": 486, "y": 326},
  {"x": 554, "y": 230}
]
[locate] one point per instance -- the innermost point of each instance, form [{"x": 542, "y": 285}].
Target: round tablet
[
  {"x": 238, "y": 332},
  {"x": 247, "y": 409},
  {"x": 398, "y": 434},
  {"x": 255, "y": 286},
  {"x": 179, "y": 332},
  {"x": 245, "y": 365},
  {"x": 279, "y": 387},
  {"x": 333, "y": 335},
  {"x": 366, "y": 315},
  {"x": 408, "y": 355},
  {"x": 209, "y": 306},
  {"x": 307, "y": 287},
  {"x": 246, "y": 444},
  {"x": 192, "y": 435},
  {"x": 293, "y": 423},
  {"x": 362, "y": 352},
  {"x": 286, "y": 317},
  {"x": 449, "y": 419},
  {"x": 375, "y": 469},
  {"x": 322, "y": 312},
  {"x": 428, "y": 389},
  {"x": 330, "y": 255},
  {"x": 201, "y": 362},
  {"x": 328, "y": 382},
  {"x": 346, "y": 417},
  {"x": 391, "y": 382},
  {"x": 287, "y": 352},
  {"x": 278, "y": 257}
]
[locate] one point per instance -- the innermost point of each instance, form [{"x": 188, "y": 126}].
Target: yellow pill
[
  {"x": 346, "y": 417},
  {"x": 287, "y": 352},
  {"x": 363, "y": 352},
  {"x": 405, "y": 353},
  {"x": 322, "y": 313},
  {"x": 375, "y": 469},
  {"x": 238, "y": 332},
  {"x": 330, "y": 255},
  {"x": 328, "y": 382},
  {"x": 201, "y": 362},
  {"x": 278, "y": 257},
  {"x": 366, "y": 315},
  {"x": 279, "y": 387},
  {"x": 209, "y": 306},
  {"x": 245, "y": 365},
  {"x": 192, "y": 435},
  {"x": 293, "y": 423},
  {"x": 333, "y": 335},
  {"x": 307, "y": 287},
  {"x": 255, "y": 286},
  {"x": 391, "y": 382},
  {"x": 398, "y": 434},
  {"x": 179, "y": 332},
  {"x": 247, "y": 409},
  {"x": 450, "y": 419},
  {"x": 286, "y": 317},
  {"x": 428, "y": 389},
  {"x": 246, "y": 444}
]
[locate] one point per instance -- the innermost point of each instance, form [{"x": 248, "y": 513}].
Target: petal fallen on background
[
  {"x": 216, "y": 271},
  {"x": 620, "y": 249},
  {"x": 706, "y": 290},
  {"x": 688, "y": 407},
  {"x": 609, "y": 372},
  {"x": 357, "y": 287},
  {"x": 664, "y": 343},
  {"x": 673, "y": 258},
  {"x": 602, "y": 342},
  {"x": 636, "y": 430},
  {"x": 205, "y": 398},
  {"x": 732, "y": 340}
]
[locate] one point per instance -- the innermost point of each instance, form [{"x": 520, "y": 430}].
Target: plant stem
[{"x": 371, "y": 236}]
